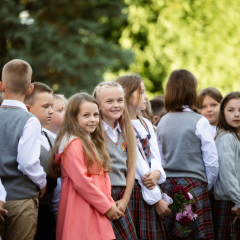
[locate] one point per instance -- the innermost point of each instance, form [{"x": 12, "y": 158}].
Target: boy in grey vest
[
  {"x": 21, "y": 173},
  {"x": 40, "y": 103}
]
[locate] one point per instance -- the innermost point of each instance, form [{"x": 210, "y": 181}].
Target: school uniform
[
  {"x": 46, "y": 221},
  {"x": 124, "y": 227},
  {"x": 20, "y": 169},
  {"x": 227, "y": 187},
  {"x": 55, "y": 199},
  {"x": 192, "y": 162},
  {"x": 147, "y": 222}
]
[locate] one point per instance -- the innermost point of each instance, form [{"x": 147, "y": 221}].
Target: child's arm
[
  {"x": 3, "y": 195},
  {"x": 82, "y": 183},
  {"x": 228, "y": 175},
  {"x": 157, "y": 174},
  {"x": 209, "y": 151},
  {"x": 122, "y": 203},
  {"x": 29, "y": 152}
]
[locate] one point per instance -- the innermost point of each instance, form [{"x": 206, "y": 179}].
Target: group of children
[{"x": 105, "y": 167}]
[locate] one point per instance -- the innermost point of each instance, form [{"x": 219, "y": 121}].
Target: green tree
[
  {"x": 201, "y": 36},
  {"x": 69, "y": 44}
]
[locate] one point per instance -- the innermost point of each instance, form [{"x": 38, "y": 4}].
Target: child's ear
[
  {"x": 155, "y": 119},
  {"x": 30, "y": 89},
  {"x": 2, "y": 86},
  {"x": 28, "y": 107}
]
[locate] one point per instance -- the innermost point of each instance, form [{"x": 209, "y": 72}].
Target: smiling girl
[
  {"x": 146, "y": 199},
  {"x": 85, "y": 200},
  {"x": 227, "y": 186},
  {"x": 121, "y": 144},
  {"x": 209, "y": 101}
]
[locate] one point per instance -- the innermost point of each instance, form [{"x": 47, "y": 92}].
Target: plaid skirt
[
  {"x": 223, "y": 224},
  {"x": 146, "y": 220},
  {"x": 202, "y": 227},
  {"x": 123, "y": 227}
]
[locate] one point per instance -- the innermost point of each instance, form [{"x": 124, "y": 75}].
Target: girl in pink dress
[{"x": 85, "y": 205}]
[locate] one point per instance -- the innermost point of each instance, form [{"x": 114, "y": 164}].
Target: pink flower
[
  {"x": 179, "y": 216},
  {"x": 188, "y": 207}
]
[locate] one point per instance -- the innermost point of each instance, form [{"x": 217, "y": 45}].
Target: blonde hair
[
  {"x": 94, "y": 147},
  {"x": 17, "y": 76},
  {"x": 124, "y": 121},
  {"x": 60, "y": 97}
]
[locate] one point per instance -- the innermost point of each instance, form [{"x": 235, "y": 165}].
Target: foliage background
[{"x": 73, "y": 45}]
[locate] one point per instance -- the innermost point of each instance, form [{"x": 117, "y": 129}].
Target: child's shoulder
[
  {"x": 69, "y": 142},
  {"x": 225, "y": 136}
]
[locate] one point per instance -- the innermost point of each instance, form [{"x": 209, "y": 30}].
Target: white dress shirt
[
  {"x": 142, "y": 167},
  {"x": 50, "y": 133},
  {"x": 214, "y": 130},
  {"x": 3, "y": 193},
  {"x": 29, "y": 148},
  {"x": 112, "y": 133}
]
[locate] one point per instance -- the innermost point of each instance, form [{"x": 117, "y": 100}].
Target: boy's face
[
  {"x": 59, "y": 110},
  {"x": 43, "y": 107}
]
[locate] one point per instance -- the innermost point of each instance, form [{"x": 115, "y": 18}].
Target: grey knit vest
[
  {"x": 181, "y": 147},
  {"x": 45, "y": 160},
  {"x": 17, "y": 185},
  {"x": 119, "y": 162}
]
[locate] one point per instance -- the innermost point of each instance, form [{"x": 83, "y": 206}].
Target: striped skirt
[
  {"x": 124, "y": 228},
  {"x": 146, "y": 220},
  {"x": 202, "y": 227},
  {"x": 223, "y": 224}
]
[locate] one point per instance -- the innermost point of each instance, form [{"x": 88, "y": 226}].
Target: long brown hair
[
  {"x": 124, "y": 121},
  {"x": 211, "y": 92},
  {"x": 181, "y": 90},
  {"x": 93, "y": 147},
  {"x": 223, "y": 126}
]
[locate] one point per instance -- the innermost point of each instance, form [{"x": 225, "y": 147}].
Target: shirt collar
[
  {"x": 187, "y": 109},
  {"x": 14, "y": 103},
  {"x": 106, "y": 127}
]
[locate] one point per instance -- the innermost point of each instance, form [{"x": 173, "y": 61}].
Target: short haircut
[
  {"x": 211, "y": 92},
  {"x": 38, "y": 88},
  {"x": 1, "y": 99},
  {"x": 17, "y": 76},
  {"x": 157, "y": 105},
  {"x": 60, "y": 97},
  {"x": 181, "y": 90}
]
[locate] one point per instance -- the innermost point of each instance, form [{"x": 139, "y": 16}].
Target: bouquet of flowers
[{"x": 184, "y": 206}]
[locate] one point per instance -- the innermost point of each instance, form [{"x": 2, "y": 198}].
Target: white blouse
[{"x": 142, "y": 167}]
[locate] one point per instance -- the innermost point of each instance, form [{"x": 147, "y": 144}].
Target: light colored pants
[{"x": 21, "y": 220}]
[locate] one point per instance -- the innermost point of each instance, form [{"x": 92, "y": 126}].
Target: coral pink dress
[{"x": 84, "y": 198}]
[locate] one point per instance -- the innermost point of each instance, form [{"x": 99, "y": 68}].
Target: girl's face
[
  {"x": 111, "y": 104},
  {"x": 88, "y": 117},
  {"x": 232, "y": 113},
  {"x": 211, "y": 109},
  {"x": 139, "y": 102}
]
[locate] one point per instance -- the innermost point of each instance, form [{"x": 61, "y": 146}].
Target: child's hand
[
  {"x": 121, "y": 205},
  {"x": 150, "y": 179},
  {"x": 42, "y": 191},
  {"x": 162, "y": 208},
  {"x": 113, "y": 213},
  {"x": 2, "y": 210},
  {"x": 235, "y": 211}
]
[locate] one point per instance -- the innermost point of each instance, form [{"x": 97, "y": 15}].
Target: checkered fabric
[
  {"x": 223, "y": 224},
  {"x": 202, "y": 227},
  {"x": 146, "y": 220},
  {"x": 124, "y": 228}
]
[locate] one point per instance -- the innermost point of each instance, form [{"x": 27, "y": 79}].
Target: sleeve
[
  {"x": 228, "y": 169},
  {"x": 3, "y": 193},
  {"x": 82, "y": 182},
  {"x": 29, "y": 152},
  {"x": 155, "y": 155},
  {"x": 209, "y": 151},
  {"x": 150, "y": 196},
  {"x": 55, "y": 199},
  {"x": 160, "y": 151}
]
